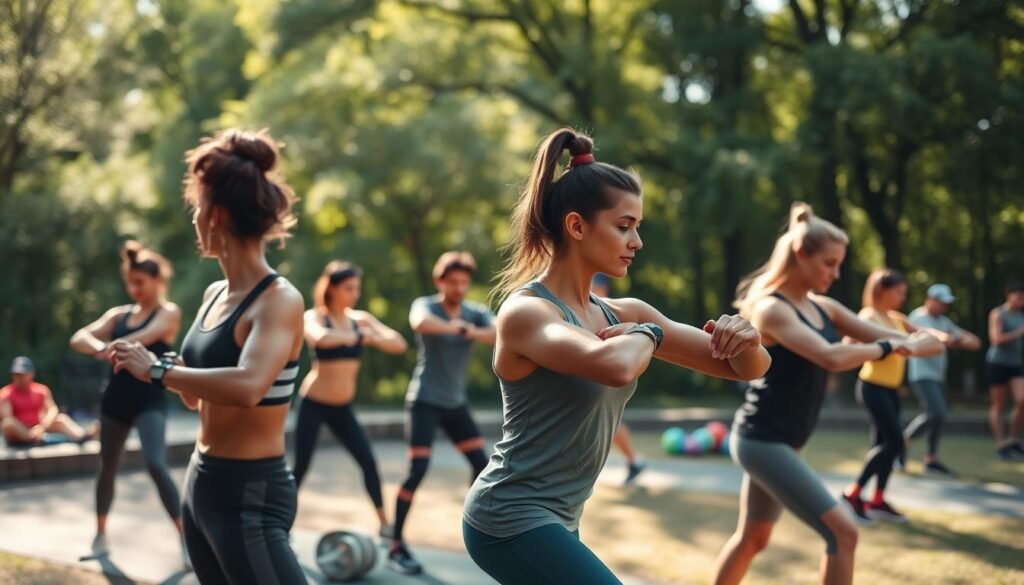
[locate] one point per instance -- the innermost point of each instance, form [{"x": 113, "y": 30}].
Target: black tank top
[
  {"x": 340, "y": 352},
  {"x": 784, "y": 405},
  {"x": 126, "y": 396},
  {"x": 216, "y": 347},
  {"x": 122, "y": 329}
]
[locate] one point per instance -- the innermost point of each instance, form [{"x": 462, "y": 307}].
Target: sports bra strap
[
  {"x": 824, "y": 315},
  {"x": 128, "y": 313},
  {"x": 248, "y": 300}
]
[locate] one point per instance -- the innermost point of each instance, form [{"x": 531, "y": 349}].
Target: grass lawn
[{"x": 18, "y": 570}]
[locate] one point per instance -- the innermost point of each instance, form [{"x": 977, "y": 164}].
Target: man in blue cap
[
  {"x": 27, "y": 410},
  {"x": 927, "y": 376}
]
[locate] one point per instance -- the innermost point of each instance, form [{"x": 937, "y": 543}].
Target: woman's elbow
[
  {"x": 833, "y": 363},
  {"x": 617, "y": 373}
]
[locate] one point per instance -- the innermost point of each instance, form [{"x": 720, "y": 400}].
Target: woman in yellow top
[{"x": 878, "y": 390}]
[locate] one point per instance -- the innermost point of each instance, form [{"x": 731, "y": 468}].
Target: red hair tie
[{"x": 581, "y": 159}]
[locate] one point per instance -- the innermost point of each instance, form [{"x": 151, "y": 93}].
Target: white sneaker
[{"x": 99, "y": 546}]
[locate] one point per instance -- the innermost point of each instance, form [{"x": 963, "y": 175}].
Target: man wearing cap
[
  {"x": 27, "y": 409},
  {"x": 927, "y": 376}
]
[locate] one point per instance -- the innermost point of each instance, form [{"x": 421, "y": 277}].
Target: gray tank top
[
  {"x": 556, "y": 435},
  {"x": 1010, "y": 353}
]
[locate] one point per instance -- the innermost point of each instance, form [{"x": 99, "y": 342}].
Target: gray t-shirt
[
  {"x": 1010, "y": 353},
  {"x": 934, "y": 367},
  {"x": 441, "y": 360},
  {"x": 556, "y": 435}
]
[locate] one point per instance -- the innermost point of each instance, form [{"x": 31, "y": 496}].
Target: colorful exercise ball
[
  {"x": 724, "y": 447},
  {"x": 705, "y": 439},
  {"x": 672, "y": 440},
  {"x": 718, "y": 430},
  {"x": 693, "y": 446}
]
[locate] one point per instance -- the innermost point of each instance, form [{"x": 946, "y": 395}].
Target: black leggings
[
  {"x": 237, "y": 515},
  {"x": 883, "y": 407},
  {"x": 342, "y": 421},
  {"x": 422, "y": 419},
  {"x": 152, "y": 427}
]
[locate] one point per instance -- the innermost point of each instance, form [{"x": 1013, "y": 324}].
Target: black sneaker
[
  {"x": 1018, "y": 449},
  {"x": 937, "y": 468},
  {"x": 401, "y": 561},
  {"x": 635, "y": 469},
  {"x": 1006, "y": 453},
  {"x": 856, "y": 508},
  {"x": 885, "y": 512}
]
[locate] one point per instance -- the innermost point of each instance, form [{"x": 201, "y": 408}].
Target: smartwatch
[{"x": 159, "y": 368}]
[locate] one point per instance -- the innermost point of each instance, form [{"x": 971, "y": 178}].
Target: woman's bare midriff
[
  {"x": 242, "y": 433},
  {"x": 331, "y": 382}
]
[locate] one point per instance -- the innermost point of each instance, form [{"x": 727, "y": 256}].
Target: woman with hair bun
[
  {"x": 567, "y": 362},
  {"x": 803, "y": 330},
  {"x": 153, "y": 322},
  {"x": 336, "y": 333},
  {"x": 238, "y": 367}
]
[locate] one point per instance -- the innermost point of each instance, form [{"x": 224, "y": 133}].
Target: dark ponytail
[
  {"x": 583, "y": 187},
  {"x": 137, "y": 258}
]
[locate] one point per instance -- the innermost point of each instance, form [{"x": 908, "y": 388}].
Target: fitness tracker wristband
[
  {"x": 886, "y": 349},
  {"x": 159, "y": 368}
]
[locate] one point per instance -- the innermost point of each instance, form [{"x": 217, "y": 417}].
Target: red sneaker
[
  {"x": 857, "y": 509},
  {"x": 884, "y": 511}
]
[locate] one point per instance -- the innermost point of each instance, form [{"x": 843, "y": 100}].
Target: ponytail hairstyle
[
  {"x": 806, "y": 232},
  {"x": 138, "y": 258},
  {"x": 336, "y": 272},
  {"x": 236, "y": 170},
  {"x": 878, "y": 281},
  {"x": 537, "y": 221}
]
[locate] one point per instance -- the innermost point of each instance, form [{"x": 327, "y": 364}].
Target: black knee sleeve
[{"x": 417, "y": 471}]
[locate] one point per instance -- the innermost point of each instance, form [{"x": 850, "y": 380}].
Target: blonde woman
[{"x": 803, "y": 330}]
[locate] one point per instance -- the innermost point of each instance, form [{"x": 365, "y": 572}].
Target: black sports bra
[
  {"x": 216, "y": 347},
  {"x": 341, "y": 352}
]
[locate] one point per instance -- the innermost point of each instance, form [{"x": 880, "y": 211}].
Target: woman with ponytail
[
  {"x": 803, "y": 330},
  {"x": 567, "y": 363},
  {"x": 127, "y": 402}
]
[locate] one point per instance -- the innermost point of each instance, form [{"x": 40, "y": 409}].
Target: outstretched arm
[
  {"x": 729, "y": 348},
  {"x": 779, "y": 322}
]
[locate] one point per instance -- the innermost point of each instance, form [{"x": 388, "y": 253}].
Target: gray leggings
[
  {"x": 152, "y": 425},
  {"x": 932, "y": 396},
  {"x": 777, "y": 477}
]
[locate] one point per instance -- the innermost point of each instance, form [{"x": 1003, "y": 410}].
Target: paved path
[{"x": 54, "y": 520}]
